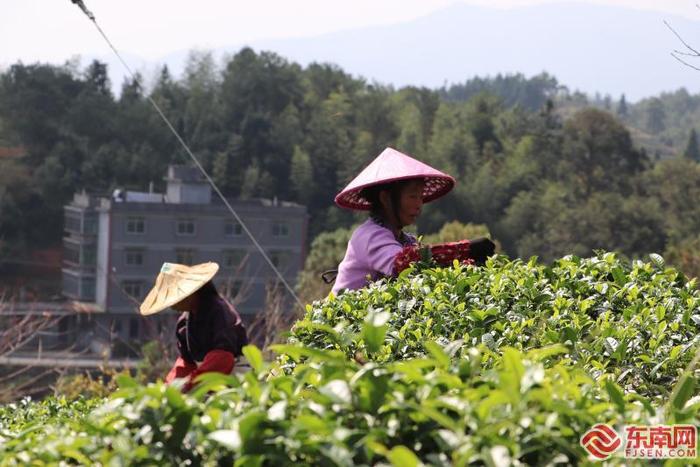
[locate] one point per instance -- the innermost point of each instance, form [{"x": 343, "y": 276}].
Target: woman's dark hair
[
  {"x": 207, "y": 294},
  {"x": 371, "y": 194}
]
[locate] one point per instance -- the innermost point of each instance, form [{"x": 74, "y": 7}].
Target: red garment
[
  {"x": 445, "y": 253},
  {"x": 219, "y": 361},
  {"x": 410, "y": 254},
  {"x": 441, "y": 253},
  {"x": 181, "y": 369}
]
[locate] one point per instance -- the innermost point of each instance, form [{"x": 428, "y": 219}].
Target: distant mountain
[{"x": 592, "y": 48}]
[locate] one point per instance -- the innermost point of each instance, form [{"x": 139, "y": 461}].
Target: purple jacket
[{"x": 371, "y": 252}]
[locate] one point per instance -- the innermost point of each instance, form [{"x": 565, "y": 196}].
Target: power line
[{"x": 187, "y": 149}]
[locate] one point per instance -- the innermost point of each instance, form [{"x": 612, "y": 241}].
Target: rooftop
[
  {"x": 144, "y": 200},
  {"x": 184, "y": 173}
]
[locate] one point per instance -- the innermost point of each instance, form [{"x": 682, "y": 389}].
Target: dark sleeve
[
  {"x": 229, "y": 333},
  {"x": 409, "y": 239},
  {"x": 180, "y": 334}
]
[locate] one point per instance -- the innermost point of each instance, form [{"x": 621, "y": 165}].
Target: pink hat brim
[{"x": 393, "y": 166}]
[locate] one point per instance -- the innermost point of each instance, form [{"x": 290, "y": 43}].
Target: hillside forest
[{"x": 546, "y": 170}]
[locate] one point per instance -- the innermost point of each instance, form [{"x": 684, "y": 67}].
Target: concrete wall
[
  {"x": 161, "y": 242},
  {"x": 80, "y": 247},
  {"x": 244, "y": 275},
  {"x": 189, "y": 193},
  {"x": 103, "y": 240}
]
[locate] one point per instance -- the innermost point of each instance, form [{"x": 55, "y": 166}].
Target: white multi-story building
[{"x": 114, "y": 248}]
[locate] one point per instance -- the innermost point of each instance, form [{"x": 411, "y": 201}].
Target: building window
[
  {"x": 133, "y": 289},
  {"x": 89, "y": 255},
  {"x": 234, "y": 258},
  {"x": 72, "y": 223},
  {"x": 83, "y": 255},
  {"x": 71, "y": 252},
  {"x": 280, "y": 229},
  {"x": 133, "y": 328},
  {"x": 135, "y": 225},
  {"x": 87, "y": 289},
  {"x": 117, "y": 326},
  {"x": 233, "y": 229},
  {"x": 133, "y": 256},
  {"x": 90, "y": 225},
  {"x": 70, "y": 286},
  {"x": 185, "y": 227},
  {"x": 184, "y": 256},
  {"x": 280, "y": 259}
]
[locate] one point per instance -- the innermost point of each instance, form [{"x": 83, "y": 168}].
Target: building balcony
[
  {"x": 80, "y": 221},
  {"x": 78, "y": 285}
]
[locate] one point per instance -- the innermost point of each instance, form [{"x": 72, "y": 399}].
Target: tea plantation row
[{"x": 502, "y": 365}]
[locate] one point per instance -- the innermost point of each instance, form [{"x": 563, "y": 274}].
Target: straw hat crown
[{"x": 176, "y": 282}]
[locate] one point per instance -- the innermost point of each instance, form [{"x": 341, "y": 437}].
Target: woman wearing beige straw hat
[{"x": 210, "y": 333}]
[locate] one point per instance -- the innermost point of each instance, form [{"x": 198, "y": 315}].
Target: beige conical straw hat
[{"x": 176, "y": 282}]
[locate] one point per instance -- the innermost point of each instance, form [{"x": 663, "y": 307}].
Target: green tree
[
  {"x": 455, "y": 231},
  {"x": 479, "y": 116},
  {"x": 107, "y": 167},
  {"x": 326, "y": 253},
  {"x": 692, "y": 150},
  {"x": 512, "y": 90},
  {"x": 655, "y": 116},
  {"x": 329, "y": 145},
  {"x": 302, "y": 175},
  {"x": 262, "y": 83},
  {"x": 257, "y": 183},
  {"x": 598, "y": 153},
  {"x": 286, "y": 133},
  {"x": 607, "y": 102},
  {"x": 20, "y": 208},
  {"x": 201, "y": 108},
  {"x": 622, "y": 110},
  {"x": 411, "y": 138},
  {"x": 34, "y": 100},
  {"x": 228, "y": 170},
  {"x": 675, "y": 184},
  {"x": 552, "y": 221},
  {"x": 365, "y": 149},
  {"x": 449, "y": 147},
  {"x": 685, "y": 255}
]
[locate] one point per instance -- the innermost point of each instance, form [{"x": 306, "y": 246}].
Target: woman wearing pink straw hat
[{"x": 393, "y": 188}]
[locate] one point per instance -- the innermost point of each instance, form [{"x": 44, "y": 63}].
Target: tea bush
[
  {"x": 508, "y": 364},
  {"x": 333, "y": 411},
  {"x": 636, "y": 322}
]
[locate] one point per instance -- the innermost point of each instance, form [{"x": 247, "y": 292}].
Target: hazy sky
[{"x": 55, "y": 30}]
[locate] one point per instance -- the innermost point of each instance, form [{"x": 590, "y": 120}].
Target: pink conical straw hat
[{"x": 392, "y": 166}]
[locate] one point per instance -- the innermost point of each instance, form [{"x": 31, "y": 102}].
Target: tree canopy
[{"x": 547, "y": 171}]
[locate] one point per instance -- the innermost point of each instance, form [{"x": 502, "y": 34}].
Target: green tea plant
[
  {"x": 509, "y": 364},
  {"x": 330, "y": 410},
  {"x": 636, "y": 322}
]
